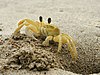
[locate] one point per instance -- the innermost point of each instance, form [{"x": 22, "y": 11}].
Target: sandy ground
[{"x": 78, "y": 18}]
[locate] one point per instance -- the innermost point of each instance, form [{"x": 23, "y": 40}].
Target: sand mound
[{"x": 22, "y": 52}]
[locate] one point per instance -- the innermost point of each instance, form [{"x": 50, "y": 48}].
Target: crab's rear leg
[
  {"x": 26, "y": 22},
  {"x": 20, "y": 25},
  {"x": 29, "y": 24},
  {"x": 18, "y": 29}
]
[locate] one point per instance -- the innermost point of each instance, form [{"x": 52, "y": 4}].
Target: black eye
[
  {"x": 49, "y": 20},
  {"x": 40, "y": 18}
]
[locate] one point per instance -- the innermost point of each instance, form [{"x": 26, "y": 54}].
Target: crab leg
[
  {"x": 59, "y": 39},
  {"x": 46, "y": 42},
  {"x": 64, "y": 38},
  {"x": 18, "y": 29},
  {"x": 20, "y": 25},
  {"x": 30, "y": 33},
  {"x": 71, "y": 46},
  {"x": 33, "y": 28},
  {"x": 26, "y": 22},
  {"x": 60, "y": 43},
  {"x": 29, "y": 23}
]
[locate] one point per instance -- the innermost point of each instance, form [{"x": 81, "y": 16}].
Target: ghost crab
[{"x": 35, "y": 29}]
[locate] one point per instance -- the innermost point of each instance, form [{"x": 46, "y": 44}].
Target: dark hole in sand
[{"x": 23, "y": 52}]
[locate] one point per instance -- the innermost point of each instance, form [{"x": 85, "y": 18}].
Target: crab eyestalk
[
  {"x": 49, "y": 20},
  {"x": 41, "y": 19}
]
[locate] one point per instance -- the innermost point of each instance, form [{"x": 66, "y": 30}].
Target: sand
[{"x": 78, "y": 18}]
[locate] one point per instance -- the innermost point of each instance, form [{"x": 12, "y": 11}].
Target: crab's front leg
[
  {"x": 30, "y": 33},
  {"x": 59, "y": 40},
  {"x": 46, "y": 42},
  {"x": 60, "y": 43}
]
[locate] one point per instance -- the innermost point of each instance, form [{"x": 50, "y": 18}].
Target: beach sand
[{"x": 77, "y": 18}]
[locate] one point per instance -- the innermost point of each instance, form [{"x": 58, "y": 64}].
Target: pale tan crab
[{"x": 52, "y": 32}]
